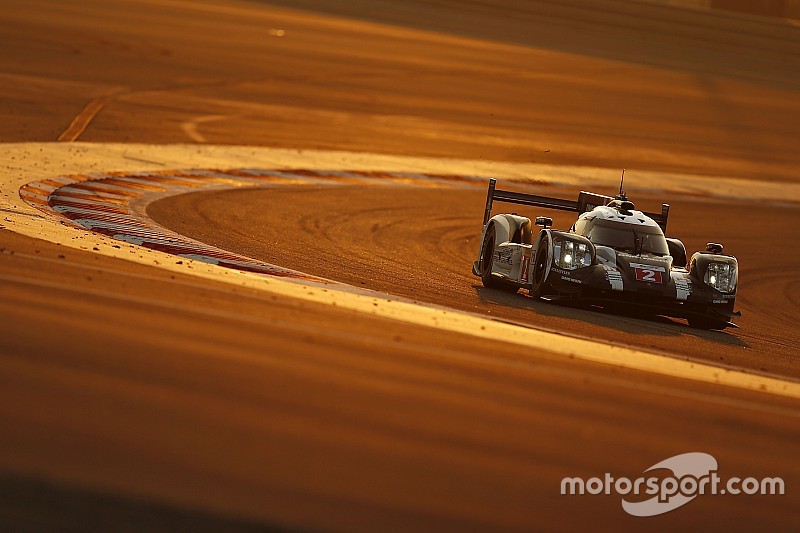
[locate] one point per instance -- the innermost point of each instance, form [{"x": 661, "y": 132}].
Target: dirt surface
[
  {"x": 421, "y": 244},
  {"x": 611, "y": 83},
  {"x": 136, "y": 398},
  {"x": 236, "y": 409}
]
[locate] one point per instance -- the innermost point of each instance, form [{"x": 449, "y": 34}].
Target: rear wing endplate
[{"x": 586, "y": 202}]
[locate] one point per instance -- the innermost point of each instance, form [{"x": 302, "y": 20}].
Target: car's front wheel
[{"x": 540, "y": 285}]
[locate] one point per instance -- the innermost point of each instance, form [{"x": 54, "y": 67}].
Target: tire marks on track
[
  {"x": 83, "y": 119},
  {"x": 113, "y": 204}
]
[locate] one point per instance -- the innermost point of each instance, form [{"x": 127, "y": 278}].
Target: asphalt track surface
[{"x": 135, "y": 397}]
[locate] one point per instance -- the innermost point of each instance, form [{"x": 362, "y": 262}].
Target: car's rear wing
[{"x": 586, "y": 202}]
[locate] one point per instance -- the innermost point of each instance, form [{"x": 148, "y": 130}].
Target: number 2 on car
[{"x": 649, "y": 275}]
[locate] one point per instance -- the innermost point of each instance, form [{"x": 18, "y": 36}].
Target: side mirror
[
  {"x": 714, "y": 248},
  {"x": 545, "y": 222},
  {"x": 678, "y": 252}
]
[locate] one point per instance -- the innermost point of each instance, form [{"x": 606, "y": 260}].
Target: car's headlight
[
  {"x": 721, "y": 276},
  {"x": 570, "y": 255}
]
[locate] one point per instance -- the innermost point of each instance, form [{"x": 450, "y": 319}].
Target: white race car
[{"x": 612, "y": 254}]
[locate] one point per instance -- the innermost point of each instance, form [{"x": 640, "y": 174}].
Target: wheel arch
[{"x": 502, "y": 229}]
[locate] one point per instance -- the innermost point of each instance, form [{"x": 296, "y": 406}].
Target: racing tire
[
  {"x": 540, "y": 285},
  {"x": 487, "y": 262}
]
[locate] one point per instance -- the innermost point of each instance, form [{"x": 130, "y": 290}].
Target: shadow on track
[{"x": 634, "y": 322}]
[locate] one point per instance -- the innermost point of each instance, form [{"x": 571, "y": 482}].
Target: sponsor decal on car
[
  {"x": 504, "y": 255},
  {"x": 683, "y": 287},
  {"x": 523, "y": 271},
  {"x": 614, "y": 278}
]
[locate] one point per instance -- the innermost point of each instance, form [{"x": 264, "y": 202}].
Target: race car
[{"x": 612, "y": 256}]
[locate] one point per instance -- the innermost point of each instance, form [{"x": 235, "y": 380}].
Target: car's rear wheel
[{"x": 487, "y": 262}]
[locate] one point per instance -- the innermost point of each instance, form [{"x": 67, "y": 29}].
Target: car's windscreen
[{"x": 622, "y": 236}]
